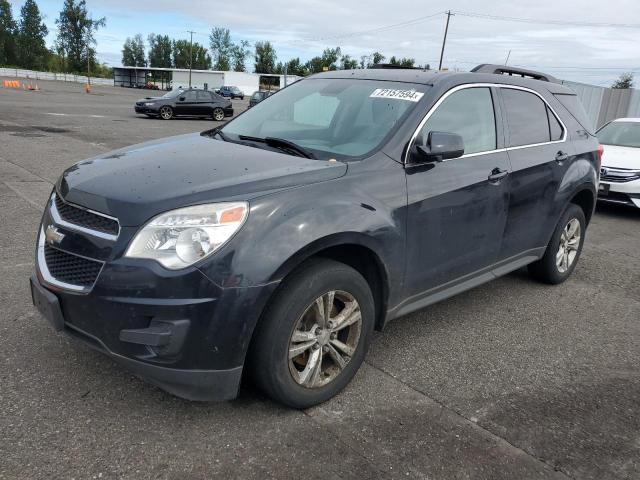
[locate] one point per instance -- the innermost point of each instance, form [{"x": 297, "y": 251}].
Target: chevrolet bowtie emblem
[{"x": 52, "y": 235}]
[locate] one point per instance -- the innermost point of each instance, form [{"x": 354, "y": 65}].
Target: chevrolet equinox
[{"x": 273, "y": 246}]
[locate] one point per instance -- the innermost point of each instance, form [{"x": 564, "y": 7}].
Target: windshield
[
  {"x": 331, "y": 118},
  {"x": 624, "y": 134},
  {"x": 172, "y": 93}
]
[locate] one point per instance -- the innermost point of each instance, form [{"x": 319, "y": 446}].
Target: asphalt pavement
[{"x": 511, "y": 380}]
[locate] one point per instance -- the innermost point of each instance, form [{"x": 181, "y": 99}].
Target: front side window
[
  {"x": 332, "y": 118},
  {"x": 624, "y": 134},
  {"x": 468, "y": 113},
  {"x": 527, "y": 118}
]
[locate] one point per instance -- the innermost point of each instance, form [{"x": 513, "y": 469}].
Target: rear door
[
  {"x": 204, "y": 104},
  {"x": 458, "y": 207},
  {"x": 539, "y": 156}
]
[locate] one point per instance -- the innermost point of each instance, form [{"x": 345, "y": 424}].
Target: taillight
[{"x": 600, "y": 153}]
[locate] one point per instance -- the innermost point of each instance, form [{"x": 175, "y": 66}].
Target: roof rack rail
[
  {"x": 521, "y": 72},
  {"x": 391, "y": 66}
]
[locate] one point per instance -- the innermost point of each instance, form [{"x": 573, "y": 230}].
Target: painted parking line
[{"x": 74, "y": 115}]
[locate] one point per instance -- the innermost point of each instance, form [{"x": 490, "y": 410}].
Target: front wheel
[
  {"x": 166, "y": 112},
  {"x": 563, "y": 250},
  {"x": 314, "y": 335},
  {"x": 218, "y": 114}
]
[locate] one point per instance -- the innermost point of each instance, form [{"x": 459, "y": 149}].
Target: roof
[{"x": 433, "y": 77}]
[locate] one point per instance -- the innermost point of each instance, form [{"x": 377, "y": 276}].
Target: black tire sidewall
[{"x": 270, "y": 360}]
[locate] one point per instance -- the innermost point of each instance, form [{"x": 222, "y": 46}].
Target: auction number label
[{"x": 410, "y": 95}]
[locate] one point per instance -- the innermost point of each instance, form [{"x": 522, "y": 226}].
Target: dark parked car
[
  {"x": 273, "y": 246},
  {"x": 188, "y": 102},
  {"x": 231, "y": 92},
  {"x": 257, "y": 97}
]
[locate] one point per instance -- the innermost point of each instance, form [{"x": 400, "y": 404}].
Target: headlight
[
  {"x": 148, "y": 104},
  {"x": 180, "y": 238}
]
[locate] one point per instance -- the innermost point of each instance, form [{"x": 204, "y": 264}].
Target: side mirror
[{"x": 440, "y": 146}]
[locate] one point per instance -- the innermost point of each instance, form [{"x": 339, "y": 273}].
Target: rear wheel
[
  {"x": 166, "y": 112},
  {"x": 563, "y": 250},
  {"x": 314, "y": 335},
  {"x": 218, "y": 114}
]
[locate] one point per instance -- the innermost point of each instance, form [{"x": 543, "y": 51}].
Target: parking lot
[{"x": 511, "y": 380}]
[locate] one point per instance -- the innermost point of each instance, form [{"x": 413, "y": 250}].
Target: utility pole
[
  {"x": 190, "y": 56},
  {"x": 444, "y": 40}
]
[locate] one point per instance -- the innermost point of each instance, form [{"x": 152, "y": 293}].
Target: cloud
[{"x": 295, "y": 27}]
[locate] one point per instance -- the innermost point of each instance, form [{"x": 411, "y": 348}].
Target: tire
[
  {"x": 294, "y": 381},
  {"x": 563, "y": 251},
  {"x": 218, "y": 114},
  {"x": 166, "y": 112}
]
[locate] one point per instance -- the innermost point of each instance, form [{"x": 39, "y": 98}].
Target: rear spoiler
[{"x": 520, "y": 72}]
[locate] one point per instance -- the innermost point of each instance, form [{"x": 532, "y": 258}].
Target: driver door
[
  {"x": 187, "y": 103},
  {"x": 457, "y": 208}
]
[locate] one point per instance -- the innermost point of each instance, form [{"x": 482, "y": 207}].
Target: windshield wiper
[
  {"x": 280, "y": 143},
  {"x": 216, "y": 131}
]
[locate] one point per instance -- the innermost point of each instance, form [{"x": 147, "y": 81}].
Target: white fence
[{"x": 63, "y": 77}]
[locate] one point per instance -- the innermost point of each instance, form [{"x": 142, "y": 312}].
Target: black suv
[
  {"x": 186, "y": 103},
  {"x": 273, "y": 246}
]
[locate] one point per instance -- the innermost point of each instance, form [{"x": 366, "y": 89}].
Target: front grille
[
  {"x": 84, "y": 218},
  {"x": 72, "y": 269},
  {"x": 618, "y": 175}
]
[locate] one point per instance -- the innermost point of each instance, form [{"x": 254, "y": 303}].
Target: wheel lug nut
[
  {"x": 318, "y": 331},
  {"x": 330, "y": 324},
  {"x": 325, "y": 349},
  {"x": 316, "y": 346},
  {"x": 334, "y": 335}
]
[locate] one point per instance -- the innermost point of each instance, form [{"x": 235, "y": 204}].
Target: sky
[{"x": 595, "y": 54}]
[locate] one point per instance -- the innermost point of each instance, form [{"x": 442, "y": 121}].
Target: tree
[
  {"x": 222, "y": 48},
  {"x": 160, "y": 50},
  {"x": 133, "y": 52},
  {"x": 32, "y": 49},
  {"x": 402, "y": 62},
  {"x": 292, "y": 67},
  {"x": 348, "y": 63},
  {"x": 182, "y": 54},
  {"x": 328, "y": 61},
  {"x": 76, "y": 31},
  {"x": 377, "y": 58},
  {"x": 239, "y": 55},
  {"x": 8, "y": 30},
  {"x": 624, "y": 81},
  {"x": 265, "y": 58}
]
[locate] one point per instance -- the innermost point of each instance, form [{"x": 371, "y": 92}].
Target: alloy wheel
[
  {"x": 166, "y": 113},
  {"x": 324, "y": 339},
  {"x": 218, "y": 114},
  {"x": 569, "y": 245}
]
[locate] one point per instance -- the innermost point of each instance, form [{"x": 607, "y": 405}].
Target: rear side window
[
  {"x": 204, "y": 96},
  {"x": 469, "y": 113},
  {"x": 526, "y": 117},
  {"x": 573, "y": 104}
]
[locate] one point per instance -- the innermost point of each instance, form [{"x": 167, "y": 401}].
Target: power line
[
  {"x": 377, "y": 29},
  {"x": 487, "y": 16}
]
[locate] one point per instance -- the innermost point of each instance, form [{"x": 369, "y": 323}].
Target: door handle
[
  {"x": 497, "y": 174},
  {"x": 561, "y": 156}
]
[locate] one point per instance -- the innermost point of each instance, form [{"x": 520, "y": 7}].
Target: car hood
[
  {"x": 621, "y": 157},
  {"x": 138, "y": 182}
]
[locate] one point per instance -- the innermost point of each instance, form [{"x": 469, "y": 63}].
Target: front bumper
[
  {"x": 627, "y": 193},
  {"x": 228, "y": 111},
  {"x": 189, "y": 383},
  {"x": 142, "y": 109}
]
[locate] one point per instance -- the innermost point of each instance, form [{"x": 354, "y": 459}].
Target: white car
[{"x": 620, "y": 172}]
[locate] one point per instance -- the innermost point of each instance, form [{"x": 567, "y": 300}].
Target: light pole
[{"x": 190, "y": 56}]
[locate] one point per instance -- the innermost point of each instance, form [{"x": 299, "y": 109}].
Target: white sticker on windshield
[{"x": 410, "y": 95}]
